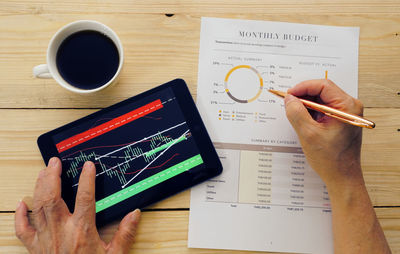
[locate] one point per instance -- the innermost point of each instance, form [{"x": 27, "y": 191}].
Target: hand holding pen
[
  {"x": 331, "y": 147},
  {"x": 333, "y": 112}
]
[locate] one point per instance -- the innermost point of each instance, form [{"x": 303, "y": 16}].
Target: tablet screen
[{"x": 135, "y": 147}]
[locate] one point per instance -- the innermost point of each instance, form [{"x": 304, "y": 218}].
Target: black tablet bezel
[{"x": 179, "y": 183}]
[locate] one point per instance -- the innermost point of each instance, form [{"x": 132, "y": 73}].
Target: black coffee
[{"x": 87, "y": 59}]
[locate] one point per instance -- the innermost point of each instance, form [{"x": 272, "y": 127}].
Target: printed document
[{"x": 268, "y": 198}]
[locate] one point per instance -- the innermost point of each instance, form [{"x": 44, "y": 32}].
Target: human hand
[
  {"x": 331, "y": 147},
  {"x": 55, "y": 230}
]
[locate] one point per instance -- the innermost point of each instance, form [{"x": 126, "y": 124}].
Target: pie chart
[{"x": 243, "y": 84}]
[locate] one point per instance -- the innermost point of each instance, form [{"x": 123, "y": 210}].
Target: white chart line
[
  {"x": 119, "y": 149},
  {"x": 176, "y": 140}
]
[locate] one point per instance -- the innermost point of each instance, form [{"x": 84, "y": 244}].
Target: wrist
[{"x": 347, "y": 188}]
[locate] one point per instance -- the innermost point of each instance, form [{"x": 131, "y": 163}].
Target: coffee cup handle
[{"x": 41, "y": 71}]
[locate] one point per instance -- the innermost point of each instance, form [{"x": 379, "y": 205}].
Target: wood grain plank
[
  {"x": 20, "y": 160},
  {"x": 191, "y": 6},
  {"x": 159, "y": 49},
  {"x": 166, "y": 232},
  {"x": 380, "y": 155}
]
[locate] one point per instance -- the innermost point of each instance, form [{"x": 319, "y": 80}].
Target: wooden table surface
[{"x": 158, "y": 48}]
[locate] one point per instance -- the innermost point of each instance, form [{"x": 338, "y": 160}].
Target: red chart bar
[{"x": 108, "y": 126}]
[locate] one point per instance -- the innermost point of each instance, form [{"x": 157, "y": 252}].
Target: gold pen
[{"x": 340, "y": 115}]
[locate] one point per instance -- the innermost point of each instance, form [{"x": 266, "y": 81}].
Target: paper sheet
[{"x": 267, "y": 198}]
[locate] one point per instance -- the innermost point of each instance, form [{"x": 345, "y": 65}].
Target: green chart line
[
  {"x": 157, "y": 149},
  {"x": 148, "y": 183}
]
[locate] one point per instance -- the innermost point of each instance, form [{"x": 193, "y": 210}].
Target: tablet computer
[{"x": 145, "y": 149}]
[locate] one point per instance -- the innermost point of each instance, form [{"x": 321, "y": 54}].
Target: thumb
[
  {"x": 23, "y": 229},
  {"x": 126, "y": 233},
  {"x": 297, "y": 114}
]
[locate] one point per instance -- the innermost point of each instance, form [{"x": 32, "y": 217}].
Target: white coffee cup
[{"x": 50, "y": 69}]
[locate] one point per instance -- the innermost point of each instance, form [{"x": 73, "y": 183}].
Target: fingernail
[
  {"x": 89, "y": 167},
  {"x": 53, "y": 162},
  {"x": 19, "y": 203},
  {"x": 136, "y": 215},
  {"x": 88, "y": 164}
]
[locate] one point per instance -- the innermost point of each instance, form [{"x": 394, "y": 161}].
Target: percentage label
[{"x": 213, "y": 102}]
